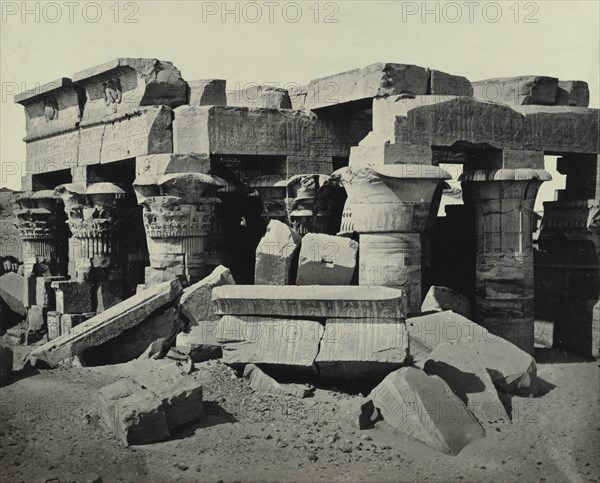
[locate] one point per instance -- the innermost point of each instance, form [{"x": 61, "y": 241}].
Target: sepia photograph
[{"x": 299, "y": 241}]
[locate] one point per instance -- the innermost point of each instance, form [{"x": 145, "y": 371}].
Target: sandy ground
[{"x": 50, "y": 427}]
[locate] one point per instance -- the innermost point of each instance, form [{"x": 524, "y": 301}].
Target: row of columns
[{"x": 391, "y": 207}]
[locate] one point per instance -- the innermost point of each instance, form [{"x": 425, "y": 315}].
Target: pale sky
[{"x": 478, "y": 39}]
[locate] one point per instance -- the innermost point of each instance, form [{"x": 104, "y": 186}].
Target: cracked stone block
[
  {"x": 196, "y": 300},
  {"x": 275, "y": 255},
  {"x": 326, "y": 260}
]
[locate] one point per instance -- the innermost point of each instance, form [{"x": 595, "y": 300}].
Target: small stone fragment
[
  {"x": 262, "y": 382},
  {"x": 358, "y": 412}
]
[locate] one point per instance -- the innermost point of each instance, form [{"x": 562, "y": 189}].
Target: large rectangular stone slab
[
  {"x": 517, "y": 90},
  {"x": 266, "y": 96},
  {"x": 310, "y": 301},
  {"x": 109, "y": 324},
  {"x": 425, "y": 408},
  {"x": 375, "y": 80},
  {"x": 73, "y": 297},
  {"x": 257, "y": 131},
  {"x": 268, "y": 340}
]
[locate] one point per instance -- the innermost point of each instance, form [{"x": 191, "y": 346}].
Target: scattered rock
[
  {"x": 425, "y": 408},
  {"x": 461, "y": 367},
  {"x": 326, "y": 260},
  {"x": 262, "y": 382},
  {"x": 275, "y": 255},
  {"x": 439, "y": 299}
]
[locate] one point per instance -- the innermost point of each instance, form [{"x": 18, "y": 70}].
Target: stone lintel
[{"x": 309, "y": 301}]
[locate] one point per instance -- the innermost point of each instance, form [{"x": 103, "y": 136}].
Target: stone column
[
  {"x": 389, "y": 207},
  {"x": 94, "y": 218},
  {"x": 503, "y": 201},
  {"x": 40, "y": 221},
  {"x": 178, "y": 213}
]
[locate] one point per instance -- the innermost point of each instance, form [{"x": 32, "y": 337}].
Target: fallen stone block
[
  {"x": 362, "y": 348},
  {"x": 6, "y": 364},
  {"x": 109, "y": 324},
  {"x": 12, "y": 288},
  {"x": 439, "y": 299},
  {"x": 425, "y": 408},
  {"x": 132, "y": 343},
  {"x": 326, "y": 260},
  {"x": 44, "y": 293},
  {"x": 196, "y": 300},
  {"x": 275, "y": 255},
  {"x": 443, "y": 84},
  {"x": 134, "y": 415},
  {"x": 200, "y": 343},
  {"x": 53, "y": 321},
  {"x": 266, "y": 340},
  {"x": 461, "y": 367},
  {"x": 379, "y": 79},
  {"x": 358, "y": 412},
  {"x": 310, "y": 301},
  {"x": 511, "y": 369},
  {"x": 207, "y": 92},
  {"x": 264, "y": 96},
  {"x": 73, "y": 297},
  {"x": 36, "y": 323},
  {"x": 163, "y": 396},
  {"x": 108, "y": 294},
  {"x": 573, "y": 93},
  {"x": 262, "y": 382},
  {"x": 517, "y": 90}
]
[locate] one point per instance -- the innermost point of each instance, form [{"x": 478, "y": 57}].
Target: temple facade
[{"x": 135, "y": 176}]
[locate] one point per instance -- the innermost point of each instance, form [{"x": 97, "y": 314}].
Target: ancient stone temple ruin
[{"x": 135, "y": 176}]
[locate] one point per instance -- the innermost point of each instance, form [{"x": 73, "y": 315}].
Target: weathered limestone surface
[
  {"x": 267, "y": 340},
  {"x": 275, "y": 255},
  {"x": 196, "y": 300},
  {"x": 503, "y": 202},
  {"x": 517, "y": 90},
  {"x": 53, "y": 323},
  {"x": 36, "y": 320},
  {"x": 359, "y": 412},
  {"x": 443, "y": 84},
  {"x": 326, "y": 260},
  {"x": 154, "y": 166},
  {"x": 145, "y": 406},
  {"x": 12, "y": 288},
  {"x": 265, "y": 96},
  {"x": 440, "y": 299},
  {"x": 309, "y": 301},
  {"x": 405, "y": 129},
  {"x": 44, "y": 294},
  {"x": 262, "y": 382},
  {"x": 510, "y": 368},
  {"x": 258, "y": 131},
  {"x": 461, "y": 367},
  {"x": 425, "y": 408},
  {"x": 145, "y": 132},
  {"x": 109, "y": 324},
  {"x": 68, "y": 321},
  {"x": 207, "y": 92},
  {"x": 573, "y": 93},
  {"x": 364, "y": 340}
]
